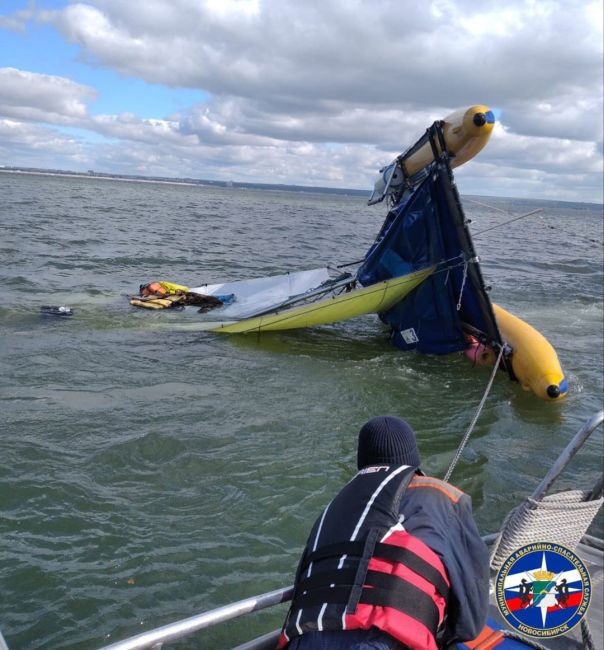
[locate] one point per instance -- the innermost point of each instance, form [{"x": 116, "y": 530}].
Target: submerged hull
[{"x": 371, "y": 299}]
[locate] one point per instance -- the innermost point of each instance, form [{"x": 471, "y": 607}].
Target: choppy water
[{"x": 149, "y": 472}]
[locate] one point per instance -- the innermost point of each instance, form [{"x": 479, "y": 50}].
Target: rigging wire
[
  {"x": 463, "y": 282},
  {"x": 343, "y": 266},
  {"x": 499, "y": 225},
  {"x": 450, "y": 259},
  {"x": 486, "y": 205},
  {"x": 492, "y": 207},
  {"x": 467, "y": 434},
  {"x": 505, "y": 223}
]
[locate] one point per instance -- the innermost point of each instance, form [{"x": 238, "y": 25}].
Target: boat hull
[{"x": 372, "y": 299}]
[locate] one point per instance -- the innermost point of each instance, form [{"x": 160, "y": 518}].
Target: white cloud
[
  {"x": 549, "y": 154},
  {"x": 326, "y": 93},
  {"x": 574, "y": 115},
  {"x": 129, "y": 127},
  {"x": 18, "y": 20},
  {"x": 32, "y": 96},
  {"x": 384, "y": 52},
  {"x": 31, "y": 145}
]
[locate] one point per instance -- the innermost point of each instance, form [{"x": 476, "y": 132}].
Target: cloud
[
  {"x": 30, "y": 96},
  {"x": 537, "y": 167},
  {"x": 509, "y": 166},
  {"x": 574, "y": 116},
  {"x": 129, "y": 127},
  {"x": 32, "y": 145},
  {"x": 41, "y": 97},
  {"x": 325, "y": 122},
  {"x": 346, "y": 51},
  {"x": 546, "y": 153},
  {"x": 327, "y": 93},
  {"x": 17, "y": 22}
]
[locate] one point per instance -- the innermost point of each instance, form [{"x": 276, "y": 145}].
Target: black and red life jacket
[{"x": 361, "y": 569}]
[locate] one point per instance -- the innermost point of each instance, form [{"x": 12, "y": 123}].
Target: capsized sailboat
[
  {"x": 318, "y": 297},
  {"x": 281, "y": 302},
  {"x": 426, "y": 225},
  {"x": 421, "y": 275}
]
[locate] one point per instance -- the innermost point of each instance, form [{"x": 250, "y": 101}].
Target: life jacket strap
[
  {"x": 361, "y": 574},
  {"x": 380, "y": 589},
  {"x": 383, "y": 551}
]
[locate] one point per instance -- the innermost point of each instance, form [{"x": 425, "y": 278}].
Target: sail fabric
[
  {"x": 428, "y": 227},
  {"x": 260, "y": 294}
]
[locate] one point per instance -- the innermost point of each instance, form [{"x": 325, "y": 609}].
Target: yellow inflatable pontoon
[
  {"x": 464, "y": 134},
  {"x": 534, "y": 360}
]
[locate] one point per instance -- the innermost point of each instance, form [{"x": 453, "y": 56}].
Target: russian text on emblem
[{"x": 543, "y": 590}]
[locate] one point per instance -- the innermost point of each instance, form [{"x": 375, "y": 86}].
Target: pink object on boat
[{"x": 480, "y": 354}]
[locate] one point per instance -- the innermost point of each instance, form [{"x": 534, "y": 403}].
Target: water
[{"x": 150, "y": 472}]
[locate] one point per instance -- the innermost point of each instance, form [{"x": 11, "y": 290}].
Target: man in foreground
[{"x": 395, "y": 560}]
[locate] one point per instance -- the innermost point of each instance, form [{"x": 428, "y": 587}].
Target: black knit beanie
[{"x": 388, "y": 440}]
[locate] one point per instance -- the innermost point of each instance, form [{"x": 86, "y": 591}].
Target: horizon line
[{"x": 227, "y": 184}]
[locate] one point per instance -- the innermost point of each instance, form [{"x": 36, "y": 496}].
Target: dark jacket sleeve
[
  {"x": 467, "y": 562},
  {"x": 447, "y": 526}
]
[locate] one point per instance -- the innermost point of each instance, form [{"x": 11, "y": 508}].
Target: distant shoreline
[
  {"x": 272, "y": 187},
  {"x": 99, "y": 177},
  {"x": 189, "y": 182}
]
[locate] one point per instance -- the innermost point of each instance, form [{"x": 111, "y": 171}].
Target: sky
[{"x": 304, "y": 92}]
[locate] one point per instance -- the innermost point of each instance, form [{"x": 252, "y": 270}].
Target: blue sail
[{"x": 428, "y": 227}]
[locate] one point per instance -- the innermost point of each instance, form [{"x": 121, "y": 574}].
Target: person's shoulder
[{"x": 437, "y": 487}]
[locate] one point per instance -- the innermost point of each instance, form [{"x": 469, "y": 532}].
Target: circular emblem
[{"x": 543, "y": 590}]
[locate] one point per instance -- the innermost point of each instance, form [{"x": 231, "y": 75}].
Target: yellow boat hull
[
  {"x": 373, "y": 299},
  {"x": 534, "y": 360}
]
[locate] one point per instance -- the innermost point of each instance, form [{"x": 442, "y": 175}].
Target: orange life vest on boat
[
  {"x": 361, "y": 569},
  {"x": 154, "y": 288}
]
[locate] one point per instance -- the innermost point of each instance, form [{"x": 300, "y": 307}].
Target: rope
[
  {"x": 343, "y": 266},
  {"x": 486, "y": 205},
  {"x": 450, "y": 259},
  {"x": 562, "y": 518},
  {"x": 466, "y": 437},
  {"x": 463, "y": 284},
  {"x": 588, "y": 239},
  {"x": 588, "y": 641},
  {"x": 505, "y": 223}
]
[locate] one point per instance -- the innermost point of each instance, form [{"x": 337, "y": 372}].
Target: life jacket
[
  {"x": 361, "y": 569},
  {"x": 153, "y": 302},
  {"x": 171, "y": 287},
  {"x": 162, "y": 289},
  {"x": 153, "y": 289}
]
